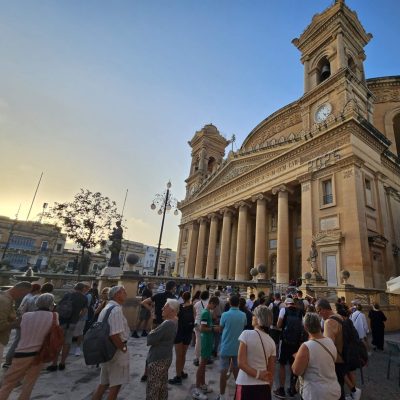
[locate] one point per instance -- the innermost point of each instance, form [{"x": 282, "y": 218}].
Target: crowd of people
[{"x": 249, "y": 336}]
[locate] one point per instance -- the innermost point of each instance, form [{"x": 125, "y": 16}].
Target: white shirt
[
  {"x": 116, "y": 320},
  {"x": 360, "y": 323},
  {"x": 198, "y": 308},
  {"x": 249, "y": 304},
  {"x": 255, "y": 355}
]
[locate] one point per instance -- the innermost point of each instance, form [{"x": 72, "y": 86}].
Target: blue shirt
[{"x": 233, "y": 322}]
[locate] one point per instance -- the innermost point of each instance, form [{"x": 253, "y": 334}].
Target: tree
[{"x": 87, "y": 220}]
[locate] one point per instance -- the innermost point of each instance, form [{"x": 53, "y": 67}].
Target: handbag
[
  {"x": 262, "y": 344},
  {"x": 52, "y": 343}
]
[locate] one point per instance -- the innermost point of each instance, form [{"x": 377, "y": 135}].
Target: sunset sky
[{"x": 105, "y": 95}]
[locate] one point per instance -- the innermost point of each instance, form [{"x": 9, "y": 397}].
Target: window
[
  {"x": 185, "y": 235},
  {"x": 327, "y": 193},
  {"x": 59, "y": 247},
  {"x": 22, "y": 243},
  {"x": 324, "y": 70},
  {"x": 273, "y": 243},
  {"x": 17, "y": 260},
  {"x": 368, "y": 192},
  {"x": 44, "y": 245}
]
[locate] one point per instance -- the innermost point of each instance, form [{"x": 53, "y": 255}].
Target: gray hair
[
  {"x": 312, "y": 322},
  {"x": 114, "y": 290},
  {"x": 263, "y": 315},
  {"x": 46, "y": 301},
  {"x": 173, "y": 304}
]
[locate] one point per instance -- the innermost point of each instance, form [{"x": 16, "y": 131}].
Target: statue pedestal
[{"x": 111, "y": 271}]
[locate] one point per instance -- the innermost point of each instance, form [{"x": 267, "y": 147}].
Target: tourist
[
  {"x": 158, "y": 301},
  {"x": 256, "y": 359},
  {"x": 47, "y": 287},
  {"x": 28, "y": 304},
  {"x": 360, "y": 323},
  {"x": 115, "y": 373},
  {"x": 250, "y": 301},
  {"x": 183, "y": 337},
  {"x": 260, "y": 300},
  {"x": 249, "y": 314},
  {"x": 290, "y": 322},
  {"x": 300, "y": 302},
  {"x": 8, "y": 316},
  {"x": 70, "y": 309},
  {"x": 25, "y": 368},
  {"x": 232, "y": 324},
  {"x": 196, "y": 297},
  {"x": 206, "y": 337},
  {"x": 144, "y": 313},
  {"x": 198, "y": 309},
  {"x": 159, "y": 358},
  {"x": 333, "y": 330},
  {"x": 315, "y": 363},
  {"x": 275, "y": 307},
  {"x": 377, "y": 318},
  {"x": 216, "y": 318},
  {"x": 101, "y": 303}
]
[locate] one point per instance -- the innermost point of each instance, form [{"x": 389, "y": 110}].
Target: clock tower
[{"x": 332, "y": 52}]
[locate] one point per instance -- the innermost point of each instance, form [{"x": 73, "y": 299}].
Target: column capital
[
  {"x": 260, "y": 196},
  {"x": 213, "y": 215},
  {"x": 201, "y": 220},
  {"x": 241, "y": 204},
  {"x": 281, "y": 188},
  {"x": 226, "y": 210},
  {"x": 305, "y": 177}
]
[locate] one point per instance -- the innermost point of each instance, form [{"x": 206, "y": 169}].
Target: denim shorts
[{"x": 225, "y": 362}]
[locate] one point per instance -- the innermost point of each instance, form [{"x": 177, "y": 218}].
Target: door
[{"x": 331, "y": 269}]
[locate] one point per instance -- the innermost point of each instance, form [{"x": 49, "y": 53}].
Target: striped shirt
[
  {"x": 116, "y": 320},
  {"x": 34, "y": 328}
]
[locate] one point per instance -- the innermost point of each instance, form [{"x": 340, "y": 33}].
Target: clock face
[{"x": 323, "y": 112}]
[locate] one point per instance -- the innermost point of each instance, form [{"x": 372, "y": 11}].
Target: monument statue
[
  {"x": 115, "y": 246},
  {"x": 313, "y": 259}
]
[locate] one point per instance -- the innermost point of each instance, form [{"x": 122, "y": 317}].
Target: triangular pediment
[{"x": 237, "y": 165}]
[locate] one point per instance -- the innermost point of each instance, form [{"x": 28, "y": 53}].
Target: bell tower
[
  {"x": 208, "y": 150},
  {"x": 332, "y": 50}
]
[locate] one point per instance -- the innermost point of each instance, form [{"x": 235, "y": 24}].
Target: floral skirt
[
  {"x": 157, "y": 380},
  {"x": 253, "y": 392}
]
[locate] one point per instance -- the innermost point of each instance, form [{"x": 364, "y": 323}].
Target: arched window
[
  {"x": 396, "y": 130},
  {"x": 323, "y": 70},
  {"x": 211, "y": 165}
]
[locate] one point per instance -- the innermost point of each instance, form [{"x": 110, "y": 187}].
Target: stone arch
[
  {"x": 323, "y": 70},
  {"x": 392, "y": 129},
  {"x": 211, "y": 165}
]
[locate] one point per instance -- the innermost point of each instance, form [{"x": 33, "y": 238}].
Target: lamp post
[{"x": 164, "y": 202}]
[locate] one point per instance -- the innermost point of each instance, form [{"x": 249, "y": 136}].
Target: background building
[{"x": 315, "y": 186}]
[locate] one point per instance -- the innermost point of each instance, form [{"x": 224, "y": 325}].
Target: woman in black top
[
  {"x": 183, "y": 337},
  {"x": 378, "y": 319}
]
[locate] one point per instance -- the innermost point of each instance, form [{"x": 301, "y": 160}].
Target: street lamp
[{"x": 164, "y": 202}]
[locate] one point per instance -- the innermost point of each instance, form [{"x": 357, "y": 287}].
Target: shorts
[
  {"x": 144, "y": 314},
  {"x": 116, "y": 371},
  {"x": 79, "y": 327},
  {"x": 225, "y": 362},
  {"x": 68, "y": 332},
  {"x": 183, "y": 337},
  {"x": 286, "y": 352}
]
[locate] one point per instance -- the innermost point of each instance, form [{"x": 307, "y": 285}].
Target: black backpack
[
  {"x": 97, "y": 345},
  {"x": 300, "y": 306},
  {"x": 292, "y": 327},
  {"x": 354, "y": 354},
  {"x": 186, "y": 318},
  {"x": 275, "y": 313},
  {"x": 65, "y": 307}
]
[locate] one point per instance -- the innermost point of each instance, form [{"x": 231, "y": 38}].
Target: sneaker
[
  {"x": 184, "y": 375},
  {"x": 356, "y": 395},
  {"x": 61, "y": 367},
  {"x": 144, "y": 334},
  {"x": 78, "y": 351},
  {"x": 135, "y": 335},
  {"x": 196, "y": 362},
  {"x": 205, "y": 389},
  {"x": 198, "y": 394},
  {"x": 143, "y": 378},
  {"x": 177, "y": 380},
  {"x": 51, "y": 368},
  {"x": 280, "y": 393}
]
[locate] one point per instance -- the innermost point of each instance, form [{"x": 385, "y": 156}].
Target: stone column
[
  {"x": 341, "y": 56},
  {"x": 282, "y": 254},
  {"x": 261, "y": 225},
  {"x": 198, "y": 271},
  {"x": 306, "y": 222},
  {"x": 191, "y": 249},
  {"x": 178, "y": 250},
  {"x": 306, "y": 75},
  {"x": 232, "y": 251},
  {"x": 225, "y": 244},
  {"x": 241, "y": 267},
  {"x": 212, "y": 247}
]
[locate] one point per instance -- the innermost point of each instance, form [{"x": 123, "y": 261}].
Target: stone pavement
[{"x": 78, "y": 381}]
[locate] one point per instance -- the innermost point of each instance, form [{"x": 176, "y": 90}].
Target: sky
[{"x": 104, "y": 95}]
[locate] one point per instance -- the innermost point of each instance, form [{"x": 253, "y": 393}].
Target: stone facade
[{"x": 323, "y": 169}]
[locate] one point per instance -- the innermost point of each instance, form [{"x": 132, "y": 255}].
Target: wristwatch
[{"x": 124, "y": 349}]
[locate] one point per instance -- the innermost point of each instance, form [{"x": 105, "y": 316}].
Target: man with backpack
[
  {"x": 342, "y": 332},
  {"x": 275, "y": 307},
  {"x": 70, "y": 308},
  {"x": 115, "y": 372},
  {"x": 300, "y": 302},
  {"x": 290, "y": 321}
]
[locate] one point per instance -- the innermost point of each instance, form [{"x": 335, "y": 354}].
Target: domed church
[{"x": 315, "y": 187}]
